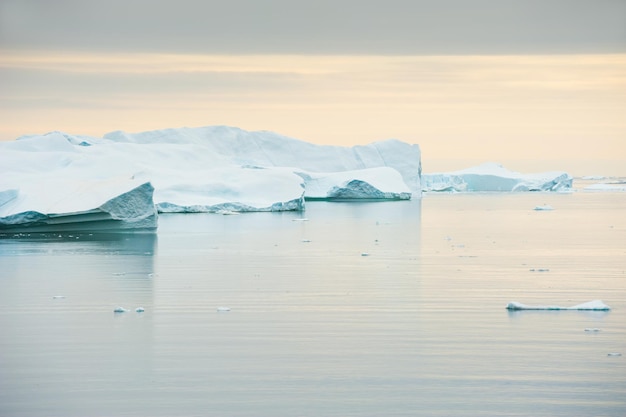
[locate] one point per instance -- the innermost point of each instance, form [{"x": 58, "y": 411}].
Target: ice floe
[
  {"x": 606, "y": 187},
  {"x": 595, "y": 305},
  {"x": 494, "y": 177},
  {"x": 119, "y": 310}
]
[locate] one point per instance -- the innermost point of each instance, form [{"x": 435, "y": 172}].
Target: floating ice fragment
[
  {"x": 305, "y": 241},
  {"x": 595, "y": 305},
  {"x": 300, "y": 220},
  {"x": 227, "y": 212},
  {"x": 221, "y": 309},
  {"x": 140, "y": 310},
  {"x": 613, "y": 354},
  {"x": 592, "y": 329},
  {"x": 539, "y": 270},
  {"x": 120, "y": 310},
  {"x": 56, "y": 297},
  {"x": 365, "y": 254},
  {"x": 544, "y": 207}
]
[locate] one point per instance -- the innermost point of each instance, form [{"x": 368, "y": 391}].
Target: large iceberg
[
  {"x": 494, "y": 177},
  {"x": 208, "y": 169}
]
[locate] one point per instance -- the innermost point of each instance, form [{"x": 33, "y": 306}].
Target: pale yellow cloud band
[{"x": 568, "y": 106}]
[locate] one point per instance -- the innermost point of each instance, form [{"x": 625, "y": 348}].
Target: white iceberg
[
  {"x": 381, "y": 183},
  {"x": 54, "y": 205},
  {"x": 545, "y": 207},
  {"x": 494, "y": 177},
  {"x": 209, "y": 169},
  {"x": 595, "y": 305}
]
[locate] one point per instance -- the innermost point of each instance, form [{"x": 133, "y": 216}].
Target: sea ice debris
[
  {"x": 57, "y": 297},
  {"x": 140, "y": 310},
  {"x": 613, "y": 354},
  {"x": 222, "y": 309},
  {"x": 545, "y": 207},
  {"x": 119, "y": 310}
]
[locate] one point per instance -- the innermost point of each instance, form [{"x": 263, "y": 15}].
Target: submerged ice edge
[{"x": 595, "y": 305}]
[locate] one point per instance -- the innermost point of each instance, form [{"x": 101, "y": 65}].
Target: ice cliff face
[
  {"x": 494, "y": 177},
  {"x": 86, "y": 206}
]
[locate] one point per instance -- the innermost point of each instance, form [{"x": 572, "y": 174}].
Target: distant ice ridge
[
  {"x": 494, "y": 177},
  {"x": 617, "y": 187},
  {"x": 595, "y": 305},
  {"x": 209, "y": 169}
]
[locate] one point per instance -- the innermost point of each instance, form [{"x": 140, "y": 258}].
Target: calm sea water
[{"x": 348, "y": 309}]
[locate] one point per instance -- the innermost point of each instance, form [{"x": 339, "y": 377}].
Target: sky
[{"x": 536, "y": 84}]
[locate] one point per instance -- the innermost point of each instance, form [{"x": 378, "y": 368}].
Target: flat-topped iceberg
[
  {"x": 494, "y": 177},
  {"x": 381, "y": 183},
  {"x": 71, "y": 205},
  {"x": 209, "y": 169},
  {"x": 595, "y": 305}
]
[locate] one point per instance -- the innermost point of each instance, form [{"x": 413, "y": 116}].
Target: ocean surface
[{"x": 347, "y": 309}]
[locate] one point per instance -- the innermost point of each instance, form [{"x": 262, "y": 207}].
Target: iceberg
[
  {"x": 600, "y": 187},
  {"x": 494, "y": 177},
  {"x": 595, "y": 305},
  {"x": 69, "y": 205},
  {"x": 381, "y": 183},
  {"x": 209, "y": 169}
]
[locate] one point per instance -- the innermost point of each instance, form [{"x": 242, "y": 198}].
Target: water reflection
[{"x": 75, "y": 243}]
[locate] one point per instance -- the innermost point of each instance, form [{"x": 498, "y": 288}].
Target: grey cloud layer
[{"x": 317, "y": 27}]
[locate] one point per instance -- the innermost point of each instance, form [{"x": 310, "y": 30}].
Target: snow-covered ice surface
[
  {"x": 209, "y": 169},
  {"x": 595, "y": 305},
  {"x": 494, "y": 177}
]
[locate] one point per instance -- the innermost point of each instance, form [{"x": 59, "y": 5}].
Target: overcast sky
[
  {"x": 495, "y": 80},
  {"x": 317, "y": 27}
]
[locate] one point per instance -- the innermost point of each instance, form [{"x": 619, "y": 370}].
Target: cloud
[{"x": 392, "y": 27}]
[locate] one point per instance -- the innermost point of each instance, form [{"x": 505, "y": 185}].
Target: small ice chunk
[
  {"x": 365, "y": 254},
  {"x": 613, "y": 354},
  {"x": 300, "y": 220},
  {"x": 140, "y": 310},
  {"x": 544, "y": 207},
  {"x": 595, "y": 305},
  {"x": 592, "y": 329},
  {"x": 305, "y": 240},
  {"x": 227, "y": 212},
  {"x": 57, "y": 297},
  {"x": 221, "y": 309},
  {"x": 119, "y": 309}
]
